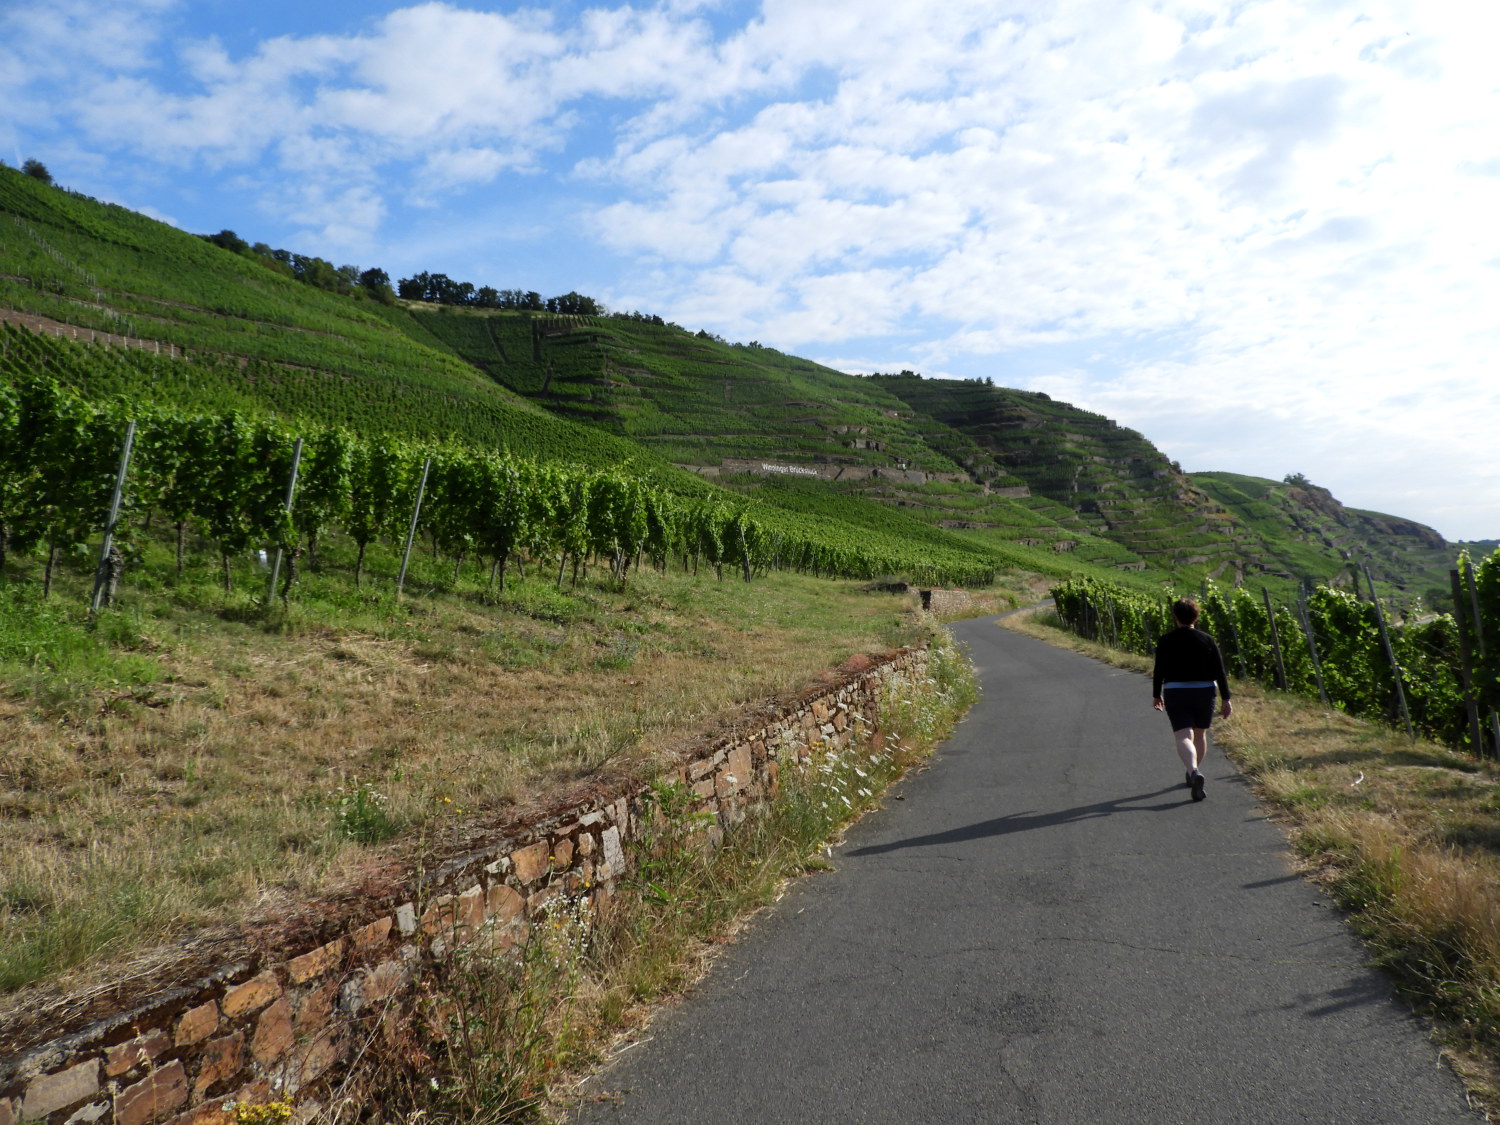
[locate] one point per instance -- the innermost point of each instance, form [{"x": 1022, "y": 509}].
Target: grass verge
[
  {"x": 505, "y": 1032},
  {"x": 1404, "y": 835},
  {"x": 192, "y": 758}
]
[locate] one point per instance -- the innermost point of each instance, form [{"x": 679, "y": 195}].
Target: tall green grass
[{"x": 54, "y": 654}]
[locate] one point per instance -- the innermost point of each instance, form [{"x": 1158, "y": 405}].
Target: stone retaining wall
[
  {"x": 285, "y": 1018},
  {"x": 946, "y": 601},
  {"x": 822, "y": 470}
]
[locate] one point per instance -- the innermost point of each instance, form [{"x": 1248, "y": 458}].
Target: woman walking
[{"x": 1188, "y": 668}]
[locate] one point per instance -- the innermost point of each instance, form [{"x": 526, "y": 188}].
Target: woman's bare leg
[{"x": 1187, "y": 747}]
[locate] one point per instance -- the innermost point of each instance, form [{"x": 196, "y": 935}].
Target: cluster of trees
[
  {"x": 37, "y": 171},
  {"x": 644, "y": 318},
  {"x": 907, "y": 373},
  {"x": 441, "y": 289},
  {"x": 438, "y": 288},
  {"x": 310, "y": 270}
]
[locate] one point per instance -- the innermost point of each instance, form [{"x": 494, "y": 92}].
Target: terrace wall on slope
[{"x": 822, "y": 470}]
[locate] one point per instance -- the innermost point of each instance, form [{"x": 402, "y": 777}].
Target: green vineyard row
[
  {"x": 227, "y": 474},
  {"x": 1334, "y": 635}
]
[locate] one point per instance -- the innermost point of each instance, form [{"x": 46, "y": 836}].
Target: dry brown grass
[
  {"x": 1406, "y": 836},
  {"x": 267, "y": 763}
]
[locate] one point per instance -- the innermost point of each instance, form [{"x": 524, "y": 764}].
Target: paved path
[{"x": 1044, "y": 930}]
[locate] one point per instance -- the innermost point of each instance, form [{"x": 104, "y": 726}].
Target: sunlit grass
[{"x": 228, "y": 758}]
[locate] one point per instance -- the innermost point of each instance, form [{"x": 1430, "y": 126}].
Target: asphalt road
[{"x": 1045, "y": 929}]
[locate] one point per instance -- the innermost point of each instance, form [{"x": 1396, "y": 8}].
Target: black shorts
[{"x": 1189, "y": 706}]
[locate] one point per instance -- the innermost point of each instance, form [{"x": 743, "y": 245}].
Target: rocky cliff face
[
  {"x": 1300, "y": 529},
  {"x": 1115, "y": 482},
  {"x": 1318, "y": 499},
  {"x": 1397, "y": 528}
]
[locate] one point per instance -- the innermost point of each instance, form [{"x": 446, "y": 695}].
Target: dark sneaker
[{"x": 1197, "y": 782}]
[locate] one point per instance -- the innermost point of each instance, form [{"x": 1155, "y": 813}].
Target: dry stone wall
[
  {"x": 822, "y": 470},
  {"x": 288, "y": 1019},
  {"x": 946, "y": 601}
]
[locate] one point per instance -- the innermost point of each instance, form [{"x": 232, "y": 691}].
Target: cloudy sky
[{"x": 1264, "y": 233}]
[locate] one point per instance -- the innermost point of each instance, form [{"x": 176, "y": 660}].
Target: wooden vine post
[
  {"x": 1312, "y": 648},
  {"x": 1275, "y": 640},
  {"x": 1234, "y": 632},
  {"x": 1390, "y": 654}
]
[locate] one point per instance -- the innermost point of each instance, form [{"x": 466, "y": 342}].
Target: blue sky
[{"x": 1261, "y": 233}]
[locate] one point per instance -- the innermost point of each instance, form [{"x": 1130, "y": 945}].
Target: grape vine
[
  {"x": 226, "y": 475},
  {"x": 1356, "y": 674}
]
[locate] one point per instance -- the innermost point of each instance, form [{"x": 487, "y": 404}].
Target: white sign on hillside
[{"x": 796, "y": 470}]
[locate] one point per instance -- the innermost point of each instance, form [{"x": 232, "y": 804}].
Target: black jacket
[{"x": 1188, "y": 654}]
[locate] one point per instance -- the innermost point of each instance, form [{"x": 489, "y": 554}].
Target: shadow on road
[
  {"x": 1360, "y": 992},
  {"x": 1026, "y": 822}
]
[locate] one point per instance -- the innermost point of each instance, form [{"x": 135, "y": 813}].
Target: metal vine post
[{"x": 101, "y": 572}]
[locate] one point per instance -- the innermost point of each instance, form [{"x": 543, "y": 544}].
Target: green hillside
[
  {"x": 727, "y": 410},
  {"x": 1103, "y": 479},
  {"x": 110, "y": 270},
  {"x": 1300, "y": 530},
  {"x": 254, "y": 339},
  {"x": 257, "y": 341},
  {"x": 938, "y": 465},
  {"x": 691, "y": 398}
]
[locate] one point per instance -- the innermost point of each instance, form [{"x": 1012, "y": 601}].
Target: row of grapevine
[
  {"x": 1330, "y": 643},
  {"x": 227, "y": 475},
  {"x": 206, "y": 383}
]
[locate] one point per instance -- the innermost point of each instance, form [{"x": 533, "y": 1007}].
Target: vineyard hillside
[
  {"x": 961, "y": 465},
  {"x": 1106, "y": 480},
  {"x": 119, "y": 307},
  {"x": 1010, "y": 468},
  {"x": 1296, "y": 528},
  {"x": 785, "y": 429}
]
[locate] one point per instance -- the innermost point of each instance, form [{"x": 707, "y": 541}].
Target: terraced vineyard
[
  {"x": 372, "y": 403},
  {"x": 107, "y": 269},
  {"x": 1109, "y": 480},
  {"x": 229, "y": 470},
  {"x": 977, "y": 468},
  {"x": 691, "y": 398},
  {"x": 1298, "y": 529},
  {"x": 727, "y": 409}
]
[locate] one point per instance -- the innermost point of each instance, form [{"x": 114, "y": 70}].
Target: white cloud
[
  {"x": 68, "y": 36},
  {"x": 467, "y": 166}
]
